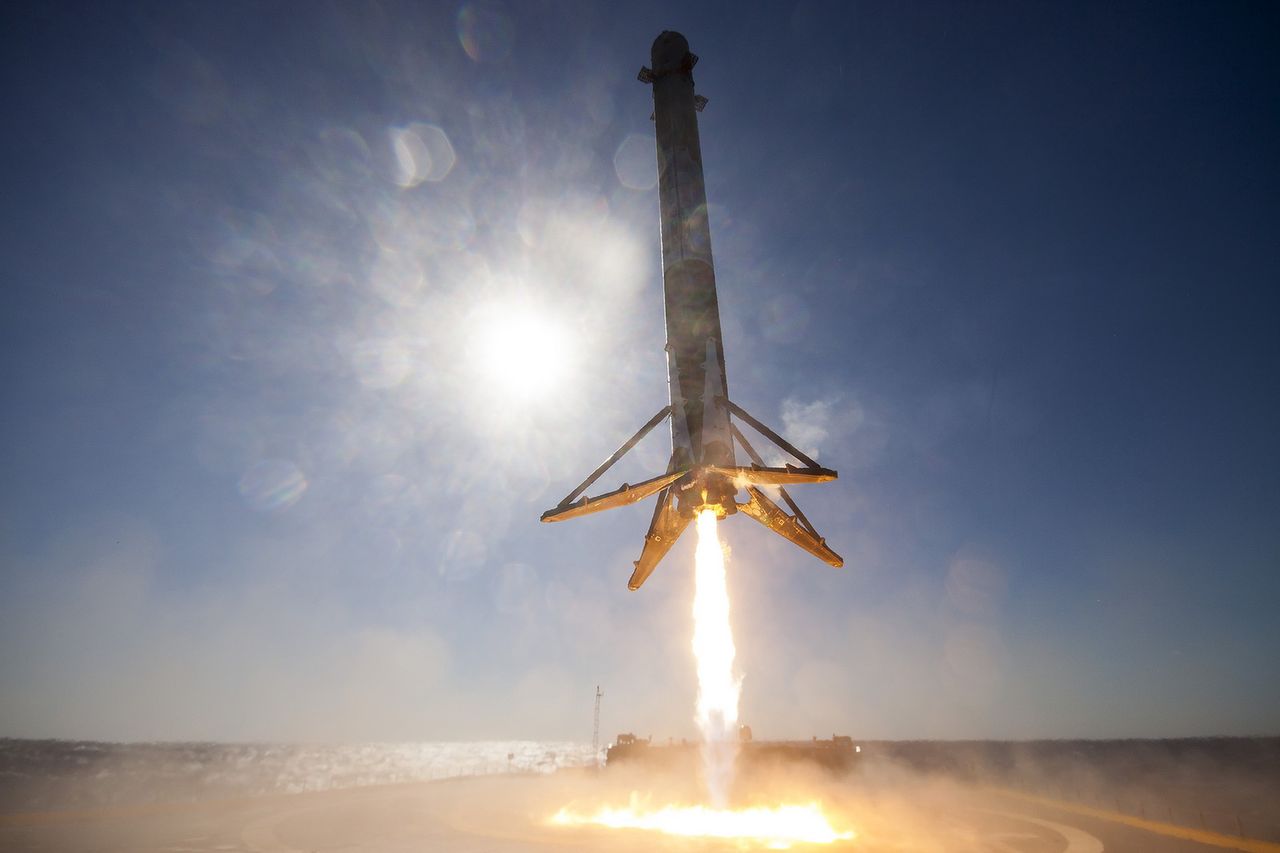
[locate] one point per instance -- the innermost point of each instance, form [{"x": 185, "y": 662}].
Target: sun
[{"x": 520, "y": 350}]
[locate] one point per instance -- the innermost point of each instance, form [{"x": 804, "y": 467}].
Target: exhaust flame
[
  {"x": 776, "y": 828},
  {"x": 713, "y": 650}
]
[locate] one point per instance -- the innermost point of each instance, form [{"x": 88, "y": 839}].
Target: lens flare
[{"x": 713, "y": 650}]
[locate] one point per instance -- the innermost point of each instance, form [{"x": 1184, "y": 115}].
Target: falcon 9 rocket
[{"x": 703, "y": 473}]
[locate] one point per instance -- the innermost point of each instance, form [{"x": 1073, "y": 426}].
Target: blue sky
[{"x": 271, "y": 472}]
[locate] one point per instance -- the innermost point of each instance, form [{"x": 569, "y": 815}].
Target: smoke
[{"x": 807, "y": 425}]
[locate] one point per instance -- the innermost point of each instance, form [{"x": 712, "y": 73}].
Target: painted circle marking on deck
[
  {"x": 260, "y": 835},
  {"x": 1078, "y": 841}
]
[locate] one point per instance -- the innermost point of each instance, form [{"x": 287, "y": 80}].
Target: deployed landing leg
[
  {"x": 574, "y": 506},
  {"x": 664, "y": 530},
  {"x": 670, "y": 519},
  {"x": 795, "y": 528}
]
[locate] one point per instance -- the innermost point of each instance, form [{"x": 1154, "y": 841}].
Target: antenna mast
[{"x": 595, "y": 731}]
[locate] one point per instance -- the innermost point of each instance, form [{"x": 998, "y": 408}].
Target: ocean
[{"x": 44, "y": 775}]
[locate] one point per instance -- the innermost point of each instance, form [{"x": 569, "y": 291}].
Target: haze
[{"x": 311, "y": 310}]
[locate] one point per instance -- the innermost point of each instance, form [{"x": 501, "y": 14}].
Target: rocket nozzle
[{"x": 708, "y": 491}]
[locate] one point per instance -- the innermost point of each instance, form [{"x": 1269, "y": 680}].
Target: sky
[{"x": 313, "y": 308}]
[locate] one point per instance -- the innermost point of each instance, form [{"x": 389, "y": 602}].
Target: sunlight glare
[{"x": 520, "y": 351}]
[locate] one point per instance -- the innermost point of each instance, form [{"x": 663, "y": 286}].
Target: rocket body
[
  {"x": 700, "y": 434},
  {"x": 703, "y": 473}
]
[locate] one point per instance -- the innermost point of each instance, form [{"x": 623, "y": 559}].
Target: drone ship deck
[{"x": 837, "y": 753}]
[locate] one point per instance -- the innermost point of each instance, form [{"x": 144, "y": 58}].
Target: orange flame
[
  {"x": 777, "y": 828},
  {"x": 713, "y": 650}
]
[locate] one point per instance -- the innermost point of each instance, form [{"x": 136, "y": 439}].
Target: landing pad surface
[{"x": 511, "y": 813}]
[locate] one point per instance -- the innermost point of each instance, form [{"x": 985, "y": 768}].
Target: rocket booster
[
  {"x": 703, "y": 473},
  {"x": 695, "y": 347}
]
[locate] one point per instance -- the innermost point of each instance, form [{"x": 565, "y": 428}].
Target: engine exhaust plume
[{"x": 713, "y": 650}]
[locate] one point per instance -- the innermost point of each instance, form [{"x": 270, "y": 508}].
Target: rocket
[{"x": 703, "y": 473}]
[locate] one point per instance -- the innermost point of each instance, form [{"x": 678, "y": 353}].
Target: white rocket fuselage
[
  {"x": 702, "y": 474},
  {"x": 700, "y": 434}
]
